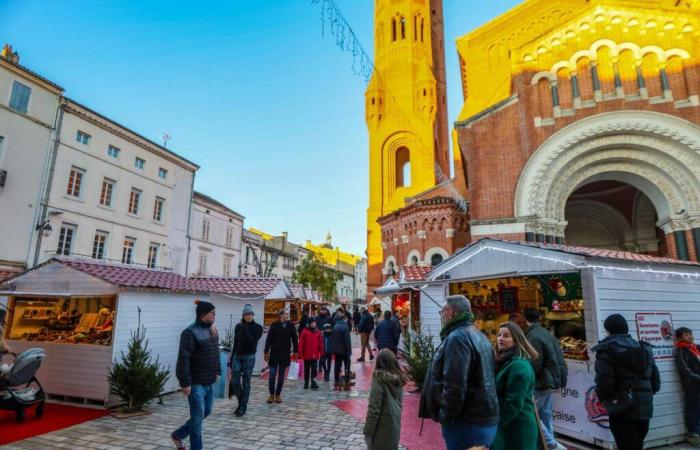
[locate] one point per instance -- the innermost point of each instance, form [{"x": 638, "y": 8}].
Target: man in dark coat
[
  {"x": 626, "y": 379},
  {"x": 387, "y": 333},
  {"x": 366, "y": 327},
  {"x": 323, "y": 318},
  {"x": 341, "y": 346},
  {"x": 356, "y": 316},
  {"x": 688, "y": 364},
  {"x": 281, "y": 340},
  {"x": 245, "y": 344},
  {"x": 459, "y": 390},
  {"x": 197, "y": 370},
  {"x": 550, "y": 372}
]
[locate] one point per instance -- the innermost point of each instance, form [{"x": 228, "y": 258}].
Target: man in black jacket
[
  {"x": 281, "y": 340},
  {"x": 198, "y": 367},
  {"x": 550, "y": 372},
  {"x": 459, "y": 390},
  {"x": 688, "y": 364},
  {"x": 366, "y": 327},
  {"x": 356, "y": 316},
  {"x": 387, "y": 333},
  {"x": 626, "y": 379},
  {"x": 245, "y": 344},
  {"x": 341, "y": 347}
]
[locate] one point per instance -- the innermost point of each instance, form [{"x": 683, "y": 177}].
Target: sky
[{"x": 247, "y": 89}]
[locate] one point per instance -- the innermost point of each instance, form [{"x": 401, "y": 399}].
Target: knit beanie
[
  {"x": 616, "y": 324},
  {"x": 248, "y": 309},
  {"x": 204, "y": 308}
]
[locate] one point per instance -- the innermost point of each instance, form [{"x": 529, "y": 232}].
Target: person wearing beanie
[
  {"x": 550, "y": 372},
  {"x": 281, "y": 340},
  {"x": 242, "y": 361},
  {"x": 688, "y": 364},
  {"x": 197, "y": 370},
  {"x": 626, "y": 379},
  {"x": 310, "y": 350},
  {"x": 327, "y": 357}
]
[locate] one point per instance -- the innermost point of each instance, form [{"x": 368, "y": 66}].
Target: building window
[
  {"x": 422, "y": 27},
  {"x": 153, "y": 255},
  {"x": 65, "y": 239},
  {"x": 82, "y": 137},
  {"x": 113, "y": 151},
  {"x": 162, "y": 173},
  {"x": 205, "y": 230},
  {"x": 403, "y": 28},
  {"x": 75, "y": 181},
  {"x": 134, "y": 199},
  {"x": 247, "y": 255},
  {"x": 202, "y": 265},
  {"x": 98, "y": 245},
  {"x": 436, "y": 259},
  {"x": 139, "y": 163},
  {"x": 229, "y": 237},
  {"x": 158, "y": 209},
  {"x": 128, "y": 250},
  {"x": 227, "y": 266},
  {"x": 107, "y": 191},
  {"x": 19, "y": 99},
  {"x": 403, "y": 167}
]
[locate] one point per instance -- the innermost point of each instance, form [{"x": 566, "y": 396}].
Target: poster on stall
[
  {"x": 576, "y": 410},
  {"x": 656, "y": 328}
]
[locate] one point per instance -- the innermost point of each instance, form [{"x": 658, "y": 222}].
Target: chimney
[{"x": 285, "y": 235}]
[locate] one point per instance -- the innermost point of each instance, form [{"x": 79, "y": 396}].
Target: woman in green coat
[
  {"x": 515, "y": 381},
  {"x": 383, "y": 423}
]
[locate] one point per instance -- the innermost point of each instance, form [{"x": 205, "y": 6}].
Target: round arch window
[{"x": 436, "y": 259}]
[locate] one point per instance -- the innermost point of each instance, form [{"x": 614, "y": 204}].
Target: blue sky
[{"x": 248, "y": 89}]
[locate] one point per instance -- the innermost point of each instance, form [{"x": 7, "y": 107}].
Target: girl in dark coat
[
  {"x": 688, "y": 364},
  {"x": 515, "y": 384},
  {"x": 383, "y": 424},
  {"x": 281, "y": 340}
]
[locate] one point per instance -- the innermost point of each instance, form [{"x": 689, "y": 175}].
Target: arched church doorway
[{"x": 613, "y": 215}]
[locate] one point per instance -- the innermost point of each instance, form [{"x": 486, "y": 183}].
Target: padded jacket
[
  {"x": 460, "y": 387},
  {"x": 340, "y": 339},
  {"x": 550, "y": 368},
  {"x": 198, "y": 357},
  {"x": 386, "y": 334}
]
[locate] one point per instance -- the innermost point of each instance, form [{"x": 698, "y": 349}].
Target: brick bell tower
[{"x": 406, "y": 113}]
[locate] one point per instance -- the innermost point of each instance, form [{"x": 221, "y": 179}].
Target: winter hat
[
  {"x": 327, "y": 326},
  {"x": 532, "y": 315},
  {"x": 616, "y": 324},
  {"x": 248, "y": 309},
  {"x": 204, "y": 308}
]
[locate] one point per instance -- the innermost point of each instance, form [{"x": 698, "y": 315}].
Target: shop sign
[
  {"x": 576, "y": 408},
  {"x": 656, "y": 328}
]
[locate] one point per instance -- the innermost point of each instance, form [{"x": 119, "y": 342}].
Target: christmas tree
[{"x": 136, "y": 379}]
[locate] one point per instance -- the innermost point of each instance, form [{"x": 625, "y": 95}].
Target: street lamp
[{"x": 45, "y": 228}]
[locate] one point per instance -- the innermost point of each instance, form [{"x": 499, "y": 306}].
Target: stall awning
[{"x": 390, "y": 287}]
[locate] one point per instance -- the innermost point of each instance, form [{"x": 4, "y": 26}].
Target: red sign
[{"x": 656, "y": 328}]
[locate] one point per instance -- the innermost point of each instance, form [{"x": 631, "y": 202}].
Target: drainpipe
[
  {"x": 189, "y": 223},
  {"x": 47, "y": 190}
]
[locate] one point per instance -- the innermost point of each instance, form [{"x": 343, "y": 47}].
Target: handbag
[{"x": 293, "y": 371}]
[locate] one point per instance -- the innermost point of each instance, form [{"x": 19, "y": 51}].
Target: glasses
[{"x": 443, "y": 311}]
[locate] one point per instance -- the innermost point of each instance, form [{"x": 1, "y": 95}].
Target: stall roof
[
  {"x": 271, "y": 287},
  {"x": 415, "y": 273},
  {"x": 485, "y": 258},
  {"x": 6, "y": 274}
]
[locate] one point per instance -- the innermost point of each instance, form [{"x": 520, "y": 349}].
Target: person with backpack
[
  {"x": 550, "y": 372},
  {"x": 383, "y": 423},
  {"x": 245, "y": 345},
  {"x": 626, "y": 379},
  {"x": 688, "y": 364},
  {"x": 310, "y": 350},
  {"x": 366, "y": 327},
  {"x": 327, "y": 357},
  {"x": 342, "y": 350}
]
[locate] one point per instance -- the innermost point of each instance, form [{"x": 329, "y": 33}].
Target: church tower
[{"x": 406, "y": 113}]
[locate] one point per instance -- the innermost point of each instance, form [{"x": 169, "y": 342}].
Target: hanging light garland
[{"x": 334, "y": 23}]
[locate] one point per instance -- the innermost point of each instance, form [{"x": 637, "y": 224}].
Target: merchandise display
[{"x": 63, "y": 320}]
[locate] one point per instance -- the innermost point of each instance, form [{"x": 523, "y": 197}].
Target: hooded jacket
[
  {"x": 626, "y": 376},
  {"x": 340, "y": 339},
  {"x": 383, "y": 423},
  {"x": 311, "y": 344}
]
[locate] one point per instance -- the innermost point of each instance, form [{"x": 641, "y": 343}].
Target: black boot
[
  {"x": 237, "y": 412},
  {"x": 314, "y": 386},
  {"x": 306, "y": 384}
]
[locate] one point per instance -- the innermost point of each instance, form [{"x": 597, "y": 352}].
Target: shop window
[
  {"x": 107, "y": 191},
  {"x": 62, "y": 320},
  {"x": 128, "y": 250},
  {"x": 403, "y": 167},
  {"x": 19, "y": 99},
  {"x": 98, "y": 245},
  {"x": 436, "y": 259},
  {"x": 75, "y": 181},
  {"x": 158, "y": 209},
  {"x": 65, "y": 239},
  {"x": 134, "y": 199},
  {"x": 153, "y": 255}
]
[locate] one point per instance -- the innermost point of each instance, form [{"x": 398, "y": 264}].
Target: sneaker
[
  {"x": 179, "y": 445},
  {"x": 314, "y": 386},
  {"x": 306, "y": 385},
  {"x": 371, "y": 357},
  {"x": 278, "y": 399},
  {"x": 693, "y": 439},
  {"x": 271, "y": 398},
  {"x": 237, "y": 411},
  {"x": 362, "y": 359}
]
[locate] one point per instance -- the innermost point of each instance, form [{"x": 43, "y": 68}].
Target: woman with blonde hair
[
  {"x": 383, "y": 424},
  {"x": 515, "y": 383}
]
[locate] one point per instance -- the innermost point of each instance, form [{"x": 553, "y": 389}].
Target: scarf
[
  {"x": 692, "y": 347},
  {"x": 465, "y": 316},
  {"x": 503, "y": 357}
]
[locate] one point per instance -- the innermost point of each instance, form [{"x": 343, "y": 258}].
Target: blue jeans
[
  {"x": 461, "y": 437},
  {"x": 544, "y": 400},
  {"x": 201, "y": 400},
  {"x": 242, "y": 368},
  {"x": 276, "y": 371},
  {"x": 692, "y": 412}
]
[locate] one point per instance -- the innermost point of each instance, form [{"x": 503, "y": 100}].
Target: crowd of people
[{"x": 483, "y": 397}]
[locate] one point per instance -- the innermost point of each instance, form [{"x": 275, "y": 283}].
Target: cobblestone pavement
[{"x": 305, "y": 420}]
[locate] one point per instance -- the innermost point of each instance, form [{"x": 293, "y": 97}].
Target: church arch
[
  {"x": 413, "y": 258},
  {"x": 390, "y": 266},
  {"x": 435, "y": 255},
  {"x": 403, "y": 167}
]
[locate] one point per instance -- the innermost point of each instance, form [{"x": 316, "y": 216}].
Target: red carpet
[{"x": 55, "y": 418}]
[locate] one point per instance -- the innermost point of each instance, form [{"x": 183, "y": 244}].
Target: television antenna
[{"x": 166, "y": 138}]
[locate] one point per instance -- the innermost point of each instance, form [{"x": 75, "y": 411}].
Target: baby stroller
[{"x": 19, "y": 388}]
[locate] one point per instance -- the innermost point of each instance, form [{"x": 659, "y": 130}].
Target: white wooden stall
[{"x": 611, "y": 283}]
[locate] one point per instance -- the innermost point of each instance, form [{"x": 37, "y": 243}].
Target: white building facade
[
  {"x": 28, "y": 120},
  {"x": 215, "y": 240},
  {"x": 361, "y": 281}
]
